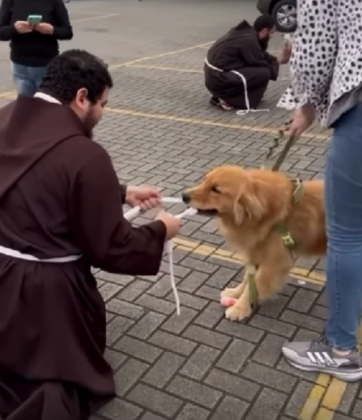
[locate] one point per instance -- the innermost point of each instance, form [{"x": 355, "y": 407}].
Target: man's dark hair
[
  {"x": 73, "y": 70},
  {"x": 264, "y": 22}
]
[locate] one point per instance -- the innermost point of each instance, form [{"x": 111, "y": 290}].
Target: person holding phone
[{"x": 33, "y": 29}]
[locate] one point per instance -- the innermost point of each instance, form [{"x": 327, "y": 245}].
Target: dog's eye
[{"x": 215, "y": 189}]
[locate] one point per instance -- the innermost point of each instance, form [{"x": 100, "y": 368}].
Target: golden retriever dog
[{"x": 248, "y": 204}]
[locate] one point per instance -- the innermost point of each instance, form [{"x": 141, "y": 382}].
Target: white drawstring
[
  {"x": 246, "y": 97},
  {"x": 131, "y": 214}
]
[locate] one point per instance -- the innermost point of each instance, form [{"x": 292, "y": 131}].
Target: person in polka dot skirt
[{"x": 326, "y": 71}]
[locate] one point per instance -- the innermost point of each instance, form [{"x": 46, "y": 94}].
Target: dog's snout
[{"x": 186, "y": 198}]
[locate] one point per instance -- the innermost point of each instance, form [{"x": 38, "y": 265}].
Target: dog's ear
[
  {"x": 248, "y": 204},
  {"x": 239, "y": 213}
]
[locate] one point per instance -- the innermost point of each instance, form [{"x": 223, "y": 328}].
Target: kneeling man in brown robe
[
  {"x": 60, "y": 214},
  {"x": 238, "y": 67}
]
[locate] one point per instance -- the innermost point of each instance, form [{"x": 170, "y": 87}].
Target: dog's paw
[
  {"x": 231, "y": 293},
  {"x": 237, "y": 313}
]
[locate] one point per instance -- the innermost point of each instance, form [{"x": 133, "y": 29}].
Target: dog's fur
[{"x": 249, "y": 203}]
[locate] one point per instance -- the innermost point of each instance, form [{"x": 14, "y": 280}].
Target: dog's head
[{"x": 232, "y": 192}]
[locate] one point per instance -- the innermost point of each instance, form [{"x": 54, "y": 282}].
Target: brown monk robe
[
  {"x": 59, "y": 197},
  {"x": 242, "y": 50}
]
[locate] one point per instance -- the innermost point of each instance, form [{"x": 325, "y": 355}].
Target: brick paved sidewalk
[{"x": 160, "y": 130}]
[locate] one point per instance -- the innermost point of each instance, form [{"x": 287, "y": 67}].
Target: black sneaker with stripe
[{"x": 319, "y": 356}]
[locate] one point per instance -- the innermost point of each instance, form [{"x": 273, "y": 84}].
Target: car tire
[{"x": 284, "y": 5}]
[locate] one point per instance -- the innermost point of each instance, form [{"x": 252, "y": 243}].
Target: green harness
[{"x": 287, "y": 239}]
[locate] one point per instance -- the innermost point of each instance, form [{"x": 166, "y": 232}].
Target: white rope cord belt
[
  {"x": 131, "y": 214},
  {"x": 246, "y": 96}
]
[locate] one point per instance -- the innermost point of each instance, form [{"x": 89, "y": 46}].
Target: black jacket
[
  {"x": 34, "y": 49},
  {"x": 240, "y": 48}
]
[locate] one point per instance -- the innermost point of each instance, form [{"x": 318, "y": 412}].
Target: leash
[
  {"x": 280, "y": 228},
  {"x": 136, "y": 211}
]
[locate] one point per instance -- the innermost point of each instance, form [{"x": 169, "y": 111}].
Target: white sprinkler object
[{"x": 131, "y": 214}]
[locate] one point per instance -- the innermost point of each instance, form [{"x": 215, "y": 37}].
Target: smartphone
[{"x": 34, "y": 19}]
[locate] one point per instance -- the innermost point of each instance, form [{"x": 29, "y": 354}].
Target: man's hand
[
  {"x": 22, "y": 27},
  {"x": 145, "y": 197},
  {"x": 303, "y": 118},
  {"x": 172, "y": 224},
  {"x": 44, "y": 28},
  {"x": 285, "y": 54}
]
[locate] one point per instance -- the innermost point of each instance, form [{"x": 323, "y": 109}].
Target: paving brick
[
  {"x": 202, "y": 266},
  {"x": 193, "y": 281},
  {"x": 235, "y": 355},
  {"x": 134, "y": 290},
  {"x": 208, "y": 237},
  {"x": 298, "y": 399},
  {"x": 163, "y": 286},
  {"x": 289, "y": 290},
  {"x": 242, "y": 331},
  {"x": 205, "y": 336},
  {"x": 269, "y": 351},
  {"x": 305, "y": 335},
  {"x": 109, "y": 317},
  {"x": 200, "y": 362},
  {"x": 232, "y": 384},
  {"x": 302, "y": 320},
  {"x": 138, "y": 349},
  {"x": 269, "y": 377},
  {"x": 116, "y": 328},
  {"x": 155, "y": 400},
  {"x": 117, "y": 409},
  {"x": 284, "y": 366},
  {"x": 303, "y": 300},
  {"x": 221, "y": 277},
  {"x": 114, "y": 358},
  {"x": 179, "y": 271},
  {"x": 357, "y": 411},
  {"x": 128, "y": 375},
  {"x": 209, "y": 293},
  {"x": 342, "y": 417},
  {"x": 127, "y": 309},
  {"x": 230, "y": 409},
  {"x": 177, "y": 323},
  {"x": 150, "y": 416},
  {"x": 155, "y": 304},
  {"x": 272, "y": 325},
  {"x": 189, "y": 228},
  {"x": 192, "y": 412},
  {"x": 270, "y": 402},
  {"x": 163, "y": 370},
  {"x": 348, "y": 398},
  {"x": 234, "y": 265},
  {"x": 211, "y": 315},
  {"x": 115, "y": 278},
  {"x": 194, "y": 392},
  {"x": 108, "y": 290},
  {"x": 319, "y": 311},
  {"x": 147, "y": 325},
  {"x": 173, "y": 343},
  {"x": 274, "y": 307},
  {"x": 189, "y": 300}
]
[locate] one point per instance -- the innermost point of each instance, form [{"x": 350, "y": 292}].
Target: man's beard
[
  {"x": 264, "y": 42},
  {"x": 89, "y": 122}
]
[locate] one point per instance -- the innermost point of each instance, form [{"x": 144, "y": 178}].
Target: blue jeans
[
  {"x": 343, "y": 199},
  {"x": 27, "y": 79}
]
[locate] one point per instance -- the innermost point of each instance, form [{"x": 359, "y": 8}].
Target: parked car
[{"x": 283, "y": 11}]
